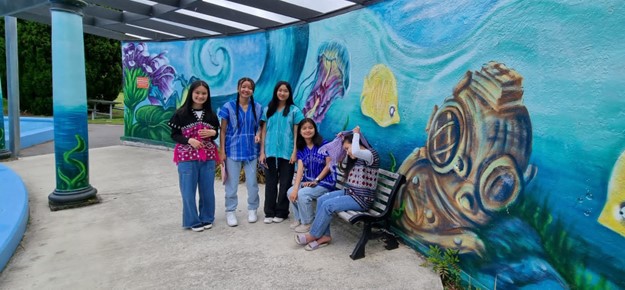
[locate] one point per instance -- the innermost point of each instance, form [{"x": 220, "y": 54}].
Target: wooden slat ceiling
[{"x": 184, "y": 19}]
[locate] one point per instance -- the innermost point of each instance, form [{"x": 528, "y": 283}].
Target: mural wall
[{"x": 507, "y": 117}]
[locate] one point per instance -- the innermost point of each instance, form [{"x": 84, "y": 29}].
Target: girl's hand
[
  {"x": 222, "y": 156},
  {"x": 261, "y": 158},
  {"x": 293, "y": 195},
  {"x": 293, "y": 158},
  {"x": 356, "y": 130},
  {"x": 207, "y": 133},
  {"x": 195, "y": 143},
  {"x": 309, "y": 184}
]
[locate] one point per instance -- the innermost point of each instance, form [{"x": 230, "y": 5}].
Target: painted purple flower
[{"x": 155, "y": 66}]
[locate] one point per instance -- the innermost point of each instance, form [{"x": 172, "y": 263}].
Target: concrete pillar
[
  {"x": 69, "y": 90},
  {"x": 13, "y": 83},
  {"x": 4, "y": 153}
]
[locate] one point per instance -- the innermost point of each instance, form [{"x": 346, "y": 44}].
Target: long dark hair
[
  {"x": 273, "y": 104},
  {"x": 351, "y": 162},
  {"x": 316, "y": 139},
  {"x": 239, "y": 84},
  {"x": 187, "y": 107}
]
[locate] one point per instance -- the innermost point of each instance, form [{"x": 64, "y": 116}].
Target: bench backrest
[{"x": 388, "y": 185}]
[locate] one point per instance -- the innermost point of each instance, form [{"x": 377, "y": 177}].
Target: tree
[
  {"x": 103, "y": 60},
  {"x": 102, "y": 67}
]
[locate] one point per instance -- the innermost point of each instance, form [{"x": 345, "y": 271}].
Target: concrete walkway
[{"x": 133, "y": 239}]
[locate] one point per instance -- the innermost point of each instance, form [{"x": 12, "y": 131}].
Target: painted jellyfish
[
  {"x": 331, "y": 80},
  {"x": 474, "y": 164}
]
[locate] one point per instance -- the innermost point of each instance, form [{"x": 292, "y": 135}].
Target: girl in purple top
[
  {"x": 314, "y": 177},
  {"x": 194, "y": 127}
]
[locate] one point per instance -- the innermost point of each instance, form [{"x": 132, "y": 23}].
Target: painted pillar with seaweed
[
  {"x": 4, "y": 153},
  {"x": 70, "y": 107}
]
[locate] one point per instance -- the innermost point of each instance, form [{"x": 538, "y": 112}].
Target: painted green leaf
[
  {"x": 152, "y": 123},
  {"x": 133, "y": 95}
]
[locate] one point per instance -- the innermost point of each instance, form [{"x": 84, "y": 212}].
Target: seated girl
[
  {"x": 360, "y": 165},
  {"x": 314, "y": 177}
]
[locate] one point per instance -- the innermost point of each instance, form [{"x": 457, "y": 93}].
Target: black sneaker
[
  {"x": 197, "y": 228},
  {"x": 208, "y": 226}
]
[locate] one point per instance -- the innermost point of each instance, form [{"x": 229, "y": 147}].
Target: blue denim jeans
[
  {"x": 193, "y": 175},
  {"x": 302, "y": 208},
  {"x": 232, "y": 183},
  {"x": 327, "y": 205}
]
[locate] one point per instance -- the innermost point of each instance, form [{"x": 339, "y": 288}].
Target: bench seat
[{"x": 377, "y": 217}]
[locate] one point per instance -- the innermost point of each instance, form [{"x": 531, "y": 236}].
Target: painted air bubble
[
  {"x": 589, "y": 195},
  {"x": 588, "y": 212}
]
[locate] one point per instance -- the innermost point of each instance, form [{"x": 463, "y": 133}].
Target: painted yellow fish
[
  {"x": 379, "y": 96},
  {"x": 613, "y": 213}
]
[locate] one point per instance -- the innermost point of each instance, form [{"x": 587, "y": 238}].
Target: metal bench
[{"x": 377, "y": 217}]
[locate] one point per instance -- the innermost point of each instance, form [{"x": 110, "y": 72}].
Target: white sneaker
[
  {"x": 268, "y": 220},
  {"x": 294, "y": 224},
  {"x": 302, "y": 229},
  {"x": 277, "y": 219},
  {"x": 231, "y": 219},
  {"x": 251, "y": 216}
]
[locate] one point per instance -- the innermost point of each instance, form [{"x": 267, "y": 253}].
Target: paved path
[
  {"x": 133, "y": 239},
  {"x": 99, "y": 136}
]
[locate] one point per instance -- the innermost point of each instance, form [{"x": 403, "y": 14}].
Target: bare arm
[
  {"x": 222, "y": 140},
  {"x": 263, "y": 135},
  {"x": 298, "y": 180},
  {"x": 294, "y": 153},
  {"x": 326, "y": 169}
]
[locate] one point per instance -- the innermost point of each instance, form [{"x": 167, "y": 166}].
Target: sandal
[
  {"x": 300, "y": 239},
  {"x": 315, "y": 245}
]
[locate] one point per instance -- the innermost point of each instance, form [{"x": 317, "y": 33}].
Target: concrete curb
[{"x": 13, "y": 213}]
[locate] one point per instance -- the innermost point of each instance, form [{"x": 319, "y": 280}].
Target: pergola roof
[{"x": 180, "y": 19}]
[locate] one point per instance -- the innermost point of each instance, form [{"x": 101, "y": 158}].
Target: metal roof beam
[
  {"x": 160, "y": 26},
  {"x": 230, "y": 14},
  {"x": 280, "y": 7},
  {"x": 200, "y": 23},
  {"x": 102, "y": 12},
  {"x": 87, "y": 27},
  {"x": 8, "y": 7},
  {"x": 123, "y": 28},
  {"x": 125, "y": 5}
]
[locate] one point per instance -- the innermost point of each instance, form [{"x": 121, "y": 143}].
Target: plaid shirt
[{"x": 240, "y": 144}]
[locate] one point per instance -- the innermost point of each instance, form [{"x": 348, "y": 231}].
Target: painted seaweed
[
  {"x": 80, "y": 180},
  {"x": 564, "y": 252}
]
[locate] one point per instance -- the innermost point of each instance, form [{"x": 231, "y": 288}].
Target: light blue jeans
[
  {"x": 233, "y": 169},
  {"x": 302, "y": 208},
  {"x": 327, "y": 205},
  {"x": 194, "y": 175}
]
